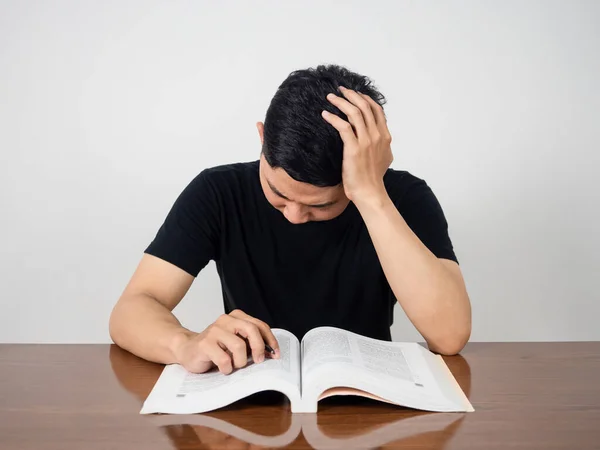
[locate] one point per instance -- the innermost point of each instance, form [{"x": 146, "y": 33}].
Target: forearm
[
  {"x": 146, "y": 328},
  {"x": 434, "y": 300}
]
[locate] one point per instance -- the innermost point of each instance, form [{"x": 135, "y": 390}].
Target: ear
[{"x": 261, "y": 130}]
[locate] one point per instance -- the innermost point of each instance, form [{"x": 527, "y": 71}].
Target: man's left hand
[{"x": 367, "y": 151}]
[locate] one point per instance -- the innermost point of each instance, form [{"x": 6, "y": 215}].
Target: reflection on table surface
[
  {"x": 264, "y": 420},
  {"x": 534, "y": 395}
]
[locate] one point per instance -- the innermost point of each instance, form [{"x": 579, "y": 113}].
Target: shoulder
[
  {"x": 404, "y": 188},
  {"x": 230, "y": 173},
  {"x": 421, "y": 210},
  {"x": 214, "y": 187},
  {"x": 225, "y": 178}
]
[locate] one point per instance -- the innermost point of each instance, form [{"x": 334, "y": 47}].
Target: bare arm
[
  {"x": 431, "y": 291},
  {"x": 141, "y": 321}
]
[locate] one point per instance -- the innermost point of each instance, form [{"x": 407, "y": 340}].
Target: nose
[{"x": 295, "y": 213}]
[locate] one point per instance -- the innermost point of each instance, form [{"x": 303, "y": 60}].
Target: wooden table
[{"x": 525, "y": 395}]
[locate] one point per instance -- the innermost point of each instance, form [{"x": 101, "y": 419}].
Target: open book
[{"x": 329, "y": 361}]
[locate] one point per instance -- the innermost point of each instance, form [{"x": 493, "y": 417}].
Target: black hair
[{"x": 296, "y": 137}]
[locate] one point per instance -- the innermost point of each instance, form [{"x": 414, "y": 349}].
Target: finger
[
  {"x": 219, "y": 357},
  {"x": 268, "y": 337},
  {"x": 380, "y": 118},
  {"x": 236, "y": 346},
  {"x": 343, "y": 127},
  {"x": 264, "y": 329},
  {"x": 377, "y": 111},
  {"x": 354, "y": 114},
  {"x": 251, "y": 332},
  {"x": 364, "y": 106}
]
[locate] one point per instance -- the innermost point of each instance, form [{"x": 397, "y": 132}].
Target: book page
[
  {"x": 332, "y": 345},
  {"x": 324, "y": 345},
  {"x": 178, "y": 391},
  {"x": 394, "y": 371}
]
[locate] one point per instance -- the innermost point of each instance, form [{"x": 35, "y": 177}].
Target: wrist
[
  {"x": 178, "y": 341},
  {"x": 371, "y": 199}
]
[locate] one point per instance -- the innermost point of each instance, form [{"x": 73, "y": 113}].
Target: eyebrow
[{"x": 279, "y": 194}]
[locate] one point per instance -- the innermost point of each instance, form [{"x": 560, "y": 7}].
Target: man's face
[{"x": 300, "y": 202}]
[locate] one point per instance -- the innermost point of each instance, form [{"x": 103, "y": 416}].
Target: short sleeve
[
  {"x": 189, "y": 236},
  {"x": 423, "y": 213}
]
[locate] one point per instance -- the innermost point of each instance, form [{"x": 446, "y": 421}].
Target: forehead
[{"x": 282, "y": 183}]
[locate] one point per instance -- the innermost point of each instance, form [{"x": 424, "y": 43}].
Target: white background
[{"x": 108, "y": 109}]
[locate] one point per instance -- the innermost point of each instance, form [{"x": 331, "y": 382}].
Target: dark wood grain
[{"x": 526, "y": 395}]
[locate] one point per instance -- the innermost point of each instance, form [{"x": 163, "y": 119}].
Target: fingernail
[
  {"x": 325, "y": 113},
  {"x": 342, "y": 88},
  {"x": 260, "y": 358},
  {"x": 331, "y": 95}
]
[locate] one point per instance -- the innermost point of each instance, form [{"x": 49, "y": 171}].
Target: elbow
[
  {"x": 450, "y": 348},
  {"x": 451, "y": 345},
  {"x": 114, "y": 329},
  {"x": 456, "y": 335}
]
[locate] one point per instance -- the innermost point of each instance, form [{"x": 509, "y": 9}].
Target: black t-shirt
[{"x": 295, "y": 277}]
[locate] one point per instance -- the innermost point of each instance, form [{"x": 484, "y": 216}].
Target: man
[{"x": 319, "y": 231}]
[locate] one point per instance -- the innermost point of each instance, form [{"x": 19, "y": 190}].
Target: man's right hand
[{"x": 225, "y": 344}]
